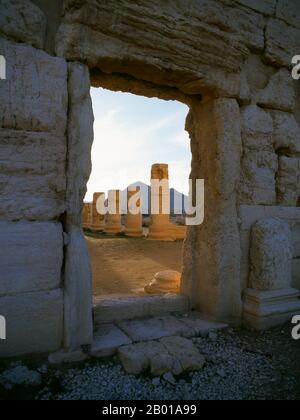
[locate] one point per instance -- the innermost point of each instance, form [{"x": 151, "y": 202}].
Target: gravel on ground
[{"x": 239, "y": 365}]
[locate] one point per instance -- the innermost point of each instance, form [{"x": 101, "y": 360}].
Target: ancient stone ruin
[
  {"x": 133, "y": 221},
  {"x": 230, "y": 62},
  {"x": 105, "y": 215}
]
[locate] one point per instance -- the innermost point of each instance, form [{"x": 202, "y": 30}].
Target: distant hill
[
  {"x": 145, "y": 193},
  {"x": 176, "y": 199}
]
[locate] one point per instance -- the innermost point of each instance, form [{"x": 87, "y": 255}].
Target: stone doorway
[
  {"x": 124, "y": 262},
  {"x": 231, "y": 72},
  {"x": 211, "y": 258}
]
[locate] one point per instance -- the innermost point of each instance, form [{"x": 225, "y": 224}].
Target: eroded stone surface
[
  {"x": 164, "y": 282},
  {"x": 282, "y": 40},
  {"x": 23, "y": 21},
  {"x": 123, "y": 308},
  {"x": 166, "y": 326},
  {"x": 296, "y": 273},
  {"x": 65, "y": 356},
  {"x": 230, "y": 53},
  {"x": 271, "y": 255},
  {"x": 279, "y": 93},
  {"x": 286, "y": 134},
  {"x": 264, "y": 6},
  {"x": 288, "y": 10},
  {"x": 32, "y": 175},
  {"x": 212, "y": 250},
  {"x": 34, "y": 95},
  {"x": 31, "y": 256},
  {"x": 220, "y": 49},
  {"x": 172, "y": 354},
  {"x": 259, "y": 161},
  {"x": 113, "y": 222},
  {"x": 34, "y": 322},
  {"x": 154, "y": 328},
  {"x": 107, "y": 339},
  {"x": 288, "y": 180},
  {"x": 77, "y": 274},
  {"x": 266, "y": 309}
]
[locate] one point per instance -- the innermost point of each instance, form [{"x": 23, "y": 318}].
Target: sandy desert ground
[{"x": 123, "y": 265}]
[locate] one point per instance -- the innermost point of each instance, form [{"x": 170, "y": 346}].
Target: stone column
[
  {"x": 270, "y": 300},
  {"x": 113, "y": 223},
  {"x": 160, "y": 223},
  {"x": 97, "y": 219},
  {"x": 87, "y": 215},
  {"x": 84, "y": 215},
  {"x": 212, "y": 252},
  {"x": 133, "y": 222}
]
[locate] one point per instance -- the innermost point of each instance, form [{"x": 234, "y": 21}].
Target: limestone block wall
[
  {"x": 240, "y": 50},
  {"x": 33, "y": 147},
  {"x": 249, "y": 215},
  {"x": 229, "y": 60}
]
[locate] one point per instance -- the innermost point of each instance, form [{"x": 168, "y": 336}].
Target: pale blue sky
[{"x": 133, "y": 132}]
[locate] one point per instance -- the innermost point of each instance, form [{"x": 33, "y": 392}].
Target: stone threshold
[
  {"x": 109, "y": 309},
  {"x": 110, "y": 337}
]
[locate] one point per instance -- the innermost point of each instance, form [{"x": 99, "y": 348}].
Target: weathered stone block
[
  {"x": 34, "y": 95},
  {"x": 255, "y": 77},
  {"x": 288, "y": 181},
  {"x": 77, "y": 275},
  {"x": 282, "y": 42},
  {"x": 32, "y": 175},
  {"x": 65, "y": 356},
  {"x": 124, "y": 308},
  {"x": 295, "y": 228},
  {"x": 290, "y": 214},
  {"x": 53, "y": 11},
  {"x": 296, "y": 273},
  {"x": 259, "y": 160},
  {"x": 288, "y": 10},
  {"x": 256, "y": 121},
  {"x": 107, "y": 339},
  {"x": 267, "y": 309},
  {"x": 216, "y": 133},
  {"x": 172, "y": 354},
  {"x": 210, "y": 52},
  {"x": 31, "y": 256},
  {"x": 80, "y": 139},
  {"x": 154, "y": 328},
  {"x": 167, "y": 326},
  {"x": 279, "y": 93},
  {"x": 271, "y": 255},
  {"x": 263, "y": 6},
  {"x": 286, "y": 134},
  {"x": 34, "y": 323},
  {"x": 258, "y": 185},
  {"x": 78, "y": 291},
  {"x": 249, "y": 215},
  {"x": 22, "y": 21}
]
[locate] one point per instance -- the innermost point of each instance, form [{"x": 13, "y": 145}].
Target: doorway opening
[{"x": 136, "y": 138}]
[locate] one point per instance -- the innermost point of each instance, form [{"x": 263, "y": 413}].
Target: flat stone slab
[
  {"x": 107, "y": 339},
  {"x": 153, "y": 328},
  {"x": 112, "y": 309},
  {"x": 201, "y": 326},
  {"x": 166, "y": 326},
  {"x": 169, "y": 355}
]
